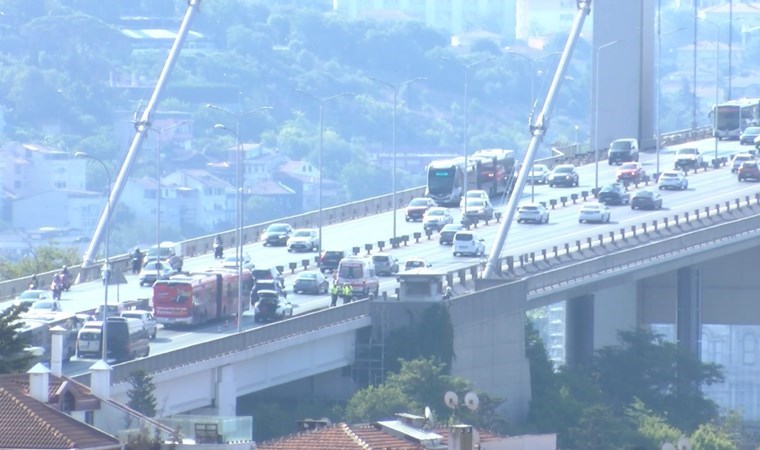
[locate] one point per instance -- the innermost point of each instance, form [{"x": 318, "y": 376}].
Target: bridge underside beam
[{"x": 579, "y": 342}]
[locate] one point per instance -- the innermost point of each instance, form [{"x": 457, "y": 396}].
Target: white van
[
  {"x": 359, "y": 272},
  {"x": 89, "y": 340},
  {"x": 468, "y": 243}
]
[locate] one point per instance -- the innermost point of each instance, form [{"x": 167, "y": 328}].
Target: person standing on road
[
  {"x": 334, "y": 291},
  {"x": 348, "y": 293}
]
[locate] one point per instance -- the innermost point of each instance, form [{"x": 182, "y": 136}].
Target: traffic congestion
[{"x": 539, "y": 228}]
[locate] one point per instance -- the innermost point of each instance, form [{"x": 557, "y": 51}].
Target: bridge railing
[{"x": 236, "y": 342}]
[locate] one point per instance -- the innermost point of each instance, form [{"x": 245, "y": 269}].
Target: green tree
[
  {"x": 708, "y": 436},
  {"x": 378, "y": 402},
  {"x": 13, "y": 358},
  {"x": 141, "y": 396},
  {"x": 663, "y": 376},
  {"x": 600, "y": 428},
  {"x": 653, "y": 429},
  {"x": 39, "y": 260}
]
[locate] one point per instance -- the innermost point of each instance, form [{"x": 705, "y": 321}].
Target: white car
[
  {"x": 468, "y": 243},
  {"x": 30, "y": 296},
  {"x": 539, "y": 174},
  {"x": 146, "y": 317},
  {"x": 474, "y": 194},
  {"x": 231, "y": 262},
  {"x": 673, "y": 179},
  {"x": 303, "y": 240},
  {"x": 43, "y": 308},
  {"x": 532, "y": 212},
  {"x": 415, "y": 263},
  {"x": 594, "y": 212}
]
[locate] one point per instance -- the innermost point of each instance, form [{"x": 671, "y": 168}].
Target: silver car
[
  {"x": 385, "y": 263},
  {"x": 303, "y": 240},
  {"x": 436, "y": 218}
]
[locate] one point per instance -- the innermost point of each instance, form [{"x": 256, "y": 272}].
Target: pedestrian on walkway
[{"x": 334, "y": 292}]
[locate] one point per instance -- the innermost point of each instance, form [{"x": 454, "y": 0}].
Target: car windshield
[
  {"x": 436, "y": 212},
  {"x": 687, "y": 151},
  {"x": 42, "y": 305},
  {"x": 620, "y": 145},
  {"x": 153, "y": 265},
  {"x": 261, "y": 274},
  {"x": 529, "y": 208},
  {"x": 413, "y": 264},
  {"x": 474, "y": 194},
  {"x": 463, "y": 237},
  {"x": 743, "y": 157},
  {"x": 302, "y": 233},
  {"x": 307, "y": 276},
  {"x": 418, "y": 202},
  {"x": 592, "y": 208},
  {"x": 669, "y": 175},
  {"x": 629, "y": 166},
  {"x": 752, "y": 130},
  {"x": 644, "y": 194},
  {"x": 749, "y": 165},
  {"x": 380, "y": 258},
  {"x": 277, "y": 228},
  {"x": 563, "y": 169},
  {"x": 451, "y": 228},
  {"x": 350, "y": 272},
  {"x": 26, "y": 295},
  {"x": 610, "y": 188},
  {"x": 476, "y": 203}
]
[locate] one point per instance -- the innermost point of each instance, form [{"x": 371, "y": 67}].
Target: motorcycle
[{"x": 65, "y": 281}]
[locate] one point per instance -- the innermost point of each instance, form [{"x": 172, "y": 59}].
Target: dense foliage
[
  {"x": 141, "y": 395},
  {"x": 13, "y": 357}
]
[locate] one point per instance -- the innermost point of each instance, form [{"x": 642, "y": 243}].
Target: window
[
  {"x": 749, "y": 349},
  {"x": 89, "y": 417}
]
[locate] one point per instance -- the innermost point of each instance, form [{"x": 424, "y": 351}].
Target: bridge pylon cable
[{"x": 537, "y": 130}]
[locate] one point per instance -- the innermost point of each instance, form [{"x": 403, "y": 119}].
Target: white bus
[{"x": 730, "y": 118}]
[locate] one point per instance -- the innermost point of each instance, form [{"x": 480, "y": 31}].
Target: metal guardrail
[{"x": 236, "y": 342}]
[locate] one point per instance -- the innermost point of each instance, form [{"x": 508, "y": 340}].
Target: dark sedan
[
  {"x": 311, "y": 282},
  {"x": 646, "y": 199},
  {"x": 613, "y": 194},
  {"x": 748, "y": 135},
  {"x": 446, "y": 235},
  {"x": 277, "y": 234},
  {"x": 564, "y": 175}
]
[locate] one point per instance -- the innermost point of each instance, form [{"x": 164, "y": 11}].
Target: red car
[
  {"x": 631, "y": 172},
  {"x": 417, "y": 208}
]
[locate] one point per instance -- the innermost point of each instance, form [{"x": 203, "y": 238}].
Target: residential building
[
  {"x": 452, "y": 16},
  {"x": 204, "y": 200},
  {"x": 29, "y": 169},
  {"x": 303, "y": 178},
  {"x": 58, "y": 208}
]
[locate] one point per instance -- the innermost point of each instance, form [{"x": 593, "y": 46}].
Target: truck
[{"x": 167, "y": 252}]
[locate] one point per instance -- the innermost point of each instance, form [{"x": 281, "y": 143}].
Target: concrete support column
[
  {"x": 579, "y": 334},
  {"x": 226, "y": 393},
  {"x": 689, "y": 306}
]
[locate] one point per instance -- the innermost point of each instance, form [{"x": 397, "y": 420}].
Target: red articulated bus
[{"x": 197, "y": 298}]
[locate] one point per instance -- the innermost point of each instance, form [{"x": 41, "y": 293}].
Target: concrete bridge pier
[
  {"x": 688, "y": 309},
  {"x": 579, "y": 330},
  {"x": 225, "y": 390}
]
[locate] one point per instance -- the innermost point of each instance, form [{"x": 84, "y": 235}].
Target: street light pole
[
  {"x": 107, "y": 271},
  {"x": 321, "y": 102},
  {"x": 717, "y": 72},
  {"x": 159, "y": 132},
  {"x": 238, "y": 200},
  {"x": 395, "y": 88},
  {"x": 596, "y": 113},
  {"x": 466, "y": 68}
]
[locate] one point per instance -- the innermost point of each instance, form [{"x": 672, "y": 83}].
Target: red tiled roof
[
  {"x": 341, "y": 437},
  {"x": 26, "y": 423}
]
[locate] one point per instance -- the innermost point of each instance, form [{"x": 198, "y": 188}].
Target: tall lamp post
[
  {"x": 466, "y": 68},
  {"x": 107, "y": 270},
  {"x": 717, "y": 72},
  {"x": 321, "y": 101},
  {"x": 658, "y": 80},
  {"x": 532, "y": 63},
  {"x": 238, "y": 200},
  {"x": 159, "y": 132},
  {"x": 395, "y": 88},
  {"x": 596, "y": 112}
]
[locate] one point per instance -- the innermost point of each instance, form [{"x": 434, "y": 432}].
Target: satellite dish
[
  {"x": 683, "y": 443},
  {"x": 451, "y": 399},
  {"x": 472, "y": 401},
  {"x": 668, "y": 446},
  {"x": 428, "y": 413}
]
